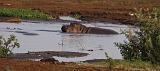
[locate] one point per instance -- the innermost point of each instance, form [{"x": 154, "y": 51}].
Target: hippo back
[{"x": 94, "y": 30}]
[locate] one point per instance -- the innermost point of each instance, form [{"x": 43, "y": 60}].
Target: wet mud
[{"x": 47, "y": 54}]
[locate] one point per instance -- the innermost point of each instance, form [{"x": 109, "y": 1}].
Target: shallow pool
[{"x": 47, "y": 36}]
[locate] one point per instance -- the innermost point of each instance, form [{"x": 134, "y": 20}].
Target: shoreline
[{"x": 19, "y": 20}]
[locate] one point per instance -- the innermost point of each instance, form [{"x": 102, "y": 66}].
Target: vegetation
[
  {"x": 7, "y": 45},
  {"x": 24, "y": 13},
  {"x": 8, "y": 68},
  {"x": 110, "y": 62},
  {"x": 143, "y": 44},
  {"x": 128, "y": 65},
  {"x": 76, "y": 15}
]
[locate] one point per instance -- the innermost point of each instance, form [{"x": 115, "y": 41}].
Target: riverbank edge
[{"x": 19, "y": 65}]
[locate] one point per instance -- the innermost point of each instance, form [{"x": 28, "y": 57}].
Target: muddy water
[{"x": 47, "y": 36}]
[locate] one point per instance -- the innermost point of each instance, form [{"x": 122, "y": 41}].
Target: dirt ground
[
  {"x": 14, "y": 65},
  {"x": 91, "y": 10},
  {"x": 26, "y": 65}
]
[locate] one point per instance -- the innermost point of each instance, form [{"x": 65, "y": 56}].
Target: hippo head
[
  {"x": 64, "y": 28},
  {"x": 73, "y": 28}
]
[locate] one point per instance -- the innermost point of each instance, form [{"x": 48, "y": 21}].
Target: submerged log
[{"x": 79, "y": 28}]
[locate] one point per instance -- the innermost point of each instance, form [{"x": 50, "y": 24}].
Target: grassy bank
[
  {"x": 127, "y": 65},
  {"x": 24, "y": 13}
]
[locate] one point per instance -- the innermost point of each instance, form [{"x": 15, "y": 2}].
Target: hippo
[{"x": 82, "y": 29}]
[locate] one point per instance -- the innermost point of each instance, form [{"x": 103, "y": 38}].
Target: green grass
[
  {"x": 24, "y": 13},
  {"x": 129, "y": 65}
]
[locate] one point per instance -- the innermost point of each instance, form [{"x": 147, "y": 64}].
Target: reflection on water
[
  {"x": 49, "y": 38},
  {"x": 26, "y": 33},
  {"x": 49, "y": 30}
]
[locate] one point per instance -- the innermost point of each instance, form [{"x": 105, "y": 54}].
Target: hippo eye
[{"x": 64, "y": 28}]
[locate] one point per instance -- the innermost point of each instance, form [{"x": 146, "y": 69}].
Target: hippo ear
[
  {"x": 72, "y": 24},
  {"x": 64, "y": 28}
]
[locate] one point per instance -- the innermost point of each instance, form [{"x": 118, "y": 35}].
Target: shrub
[
  {"x": 143, "y": 44},
  {"x": 7, "y": 45},
  {"x": 76, "y": 15}
]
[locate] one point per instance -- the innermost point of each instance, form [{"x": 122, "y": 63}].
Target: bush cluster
[
  {"x": 7, "y": 45},
  {"x": 143, "y": 44}
]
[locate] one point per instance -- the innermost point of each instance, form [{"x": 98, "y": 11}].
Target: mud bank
[
  {"x": 14, "y": 65},
  {"x": 46, "y": 54},
  {"x": 10, "y": 19},
  {"x": 26, "y": 65}
]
